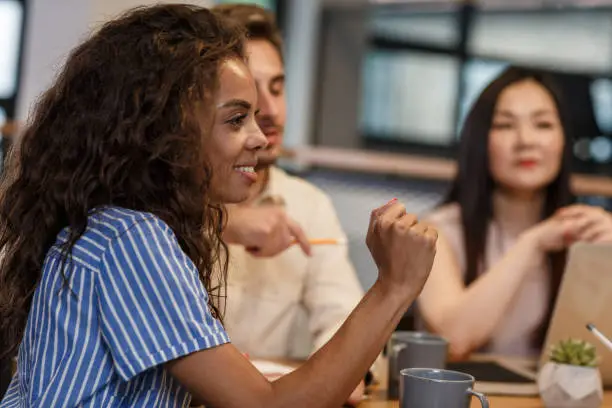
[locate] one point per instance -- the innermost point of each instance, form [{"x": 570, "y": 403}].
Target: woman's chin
[
  {"x": 233, "y": 197},
  {"x": 525, "y": 189}
]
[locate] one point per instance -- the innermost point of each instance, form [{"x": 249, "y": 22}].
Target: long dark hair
[
  {"x": 473, "y": 186},
  {"x": 118, "y": 127}
]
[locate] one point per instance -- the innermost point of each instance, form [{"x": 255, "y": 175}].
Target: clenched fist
[{"x": 402, "y": 248}]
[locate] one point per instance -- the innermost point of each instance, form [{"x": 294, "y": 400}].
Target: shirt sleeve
[
  {"x": 12, "y": 396},
  {"x": 153, "y": 307},
  {"x": 332, "y": 289}
]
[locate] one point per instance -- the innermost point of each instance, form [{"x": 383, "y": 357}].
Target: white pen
[{"x": 606, "y": 341}]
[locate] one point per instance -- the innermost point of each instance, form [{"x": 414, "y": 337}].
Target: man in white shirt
[{"x": 271, "y": 280}]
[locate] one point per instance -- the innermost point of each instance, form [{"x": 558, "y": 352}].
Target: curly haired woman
[{"x": 110, "y": 222}]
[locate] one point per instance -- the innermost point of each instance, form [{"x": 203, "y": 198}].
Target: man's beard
[{"x": 269, "y": 156}]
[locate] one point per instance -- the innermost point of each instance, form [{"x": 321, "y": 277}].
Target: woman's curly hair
[{"x": 119, "y": 127}]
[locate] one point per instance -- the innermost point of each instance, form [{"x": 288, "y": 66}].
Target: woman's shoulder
[
  {"x": 113, "y": 222},
  {"x": 445, "y": 215},
  {"x": 447, "y": 220}
]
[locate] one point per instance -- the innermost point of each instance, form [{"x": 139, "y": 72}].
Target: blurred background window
[
  {"x": 425, "y": 64},
  {"x": 269, "y": 4},
  {"x": 12, "y": 17},
  {"x": 11, "y": 34}
]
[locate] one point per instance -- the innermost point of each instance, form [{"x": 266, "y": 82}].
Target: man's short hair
[{"x": 259, "y": 23}]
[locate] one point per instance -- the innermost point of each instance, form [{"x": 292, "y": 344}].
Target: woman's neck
[{"x": 517, "y": 212}]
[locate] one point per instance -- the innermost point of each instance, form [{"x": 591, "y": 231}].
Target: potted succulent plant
[{"x": 571, "y": 378}]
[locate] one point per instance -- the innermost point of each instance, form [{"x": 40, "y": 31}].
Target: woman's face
[
  {"x": 235, "y": 138},
  {"x": 526, "y": 139}
]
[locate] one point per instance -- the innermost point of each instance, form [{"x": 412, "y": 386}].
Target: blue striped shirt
[{"x": 135, "y": 303}]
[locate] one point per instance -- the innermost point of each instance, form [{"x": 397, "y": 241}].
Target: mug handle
[
  {"x": 484, "y": 402},
  {"x": 396, "y": 349}
]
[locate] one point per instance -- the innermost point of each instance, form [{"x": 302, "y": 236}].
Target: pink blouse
[{"x": 513, "y": 334}]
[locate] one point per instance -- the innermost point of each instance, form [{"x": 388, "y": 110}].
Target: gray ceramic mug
[
  {"x": 413, "y": 350},
  {"x": 433, "y": 388}
]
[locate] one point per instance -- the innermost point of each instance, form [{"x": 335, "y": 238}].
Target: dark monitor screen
[
  {"x": 410, "y": 97},
  {"x": 476, "y": 75},
  {"x": 422, "y": 74}
]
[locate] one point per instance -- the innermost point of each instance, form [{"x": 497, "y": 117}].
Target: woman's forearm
[
  {"x": 222, "y": 377},
  {"x": 403, "y": 250},
  {"x": 470, "y": 320},
  {"x": 343, "y": 361}
]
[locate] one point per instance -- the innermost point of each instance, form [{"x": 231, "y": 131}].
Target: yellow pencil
[{"x": 324, "y": 241}]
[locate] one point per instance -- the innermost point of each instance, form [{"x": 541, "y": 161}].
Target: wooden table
[
  {"x": 378, "y": 400},
  {"x": 378, "y": 394}
]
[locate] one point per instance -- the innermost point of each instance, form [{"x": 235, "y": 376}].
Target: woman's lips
[
  {"x": 527, "y": 163},
  {"x": 247, "y": 172}
]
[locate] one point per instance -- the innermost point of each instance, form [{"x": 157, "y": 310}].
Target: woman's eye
[
  {"x": 237, "y": 121},
  {"x": 276, "y": 90},
  {"x": 277, "y": 87},
  {"x": 544, "y": 125}
]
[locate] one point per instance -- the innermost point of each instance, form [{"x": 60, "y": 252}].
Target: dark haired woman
[
  {"x": 507, "y": 221},
  {"x": 110, "y": 223}
]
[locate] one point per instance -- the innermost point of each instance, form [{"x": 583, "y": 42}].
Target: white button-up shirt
[{"x": 267, "y": 297}]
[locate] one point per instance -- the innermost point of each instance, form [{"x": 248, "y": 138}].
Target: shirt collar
[{"x": 272, "y": 192}]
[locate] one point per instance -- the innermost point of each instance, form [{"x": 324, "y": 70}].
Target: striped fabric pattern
[{"x": 133, "y": 301}]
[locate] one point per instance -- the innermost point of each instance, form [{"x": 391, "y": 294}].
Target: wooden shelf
[{"x": 415, "y": 166}]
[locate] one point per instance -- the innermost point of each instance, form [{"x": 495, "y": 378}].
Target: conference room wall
[{"x": 53, "y": 29}]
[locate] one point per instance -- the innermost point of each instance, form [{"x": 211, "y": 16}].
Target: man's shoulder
[{"x": 295, "y": 187}]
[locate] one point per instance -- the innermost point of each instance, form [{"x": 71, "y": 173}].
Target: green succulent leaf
[{"x": 574, "y": 352}]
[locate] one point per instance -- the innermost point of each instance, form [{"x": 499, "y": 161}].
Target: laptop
[{"x": 585, "y": 296}]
